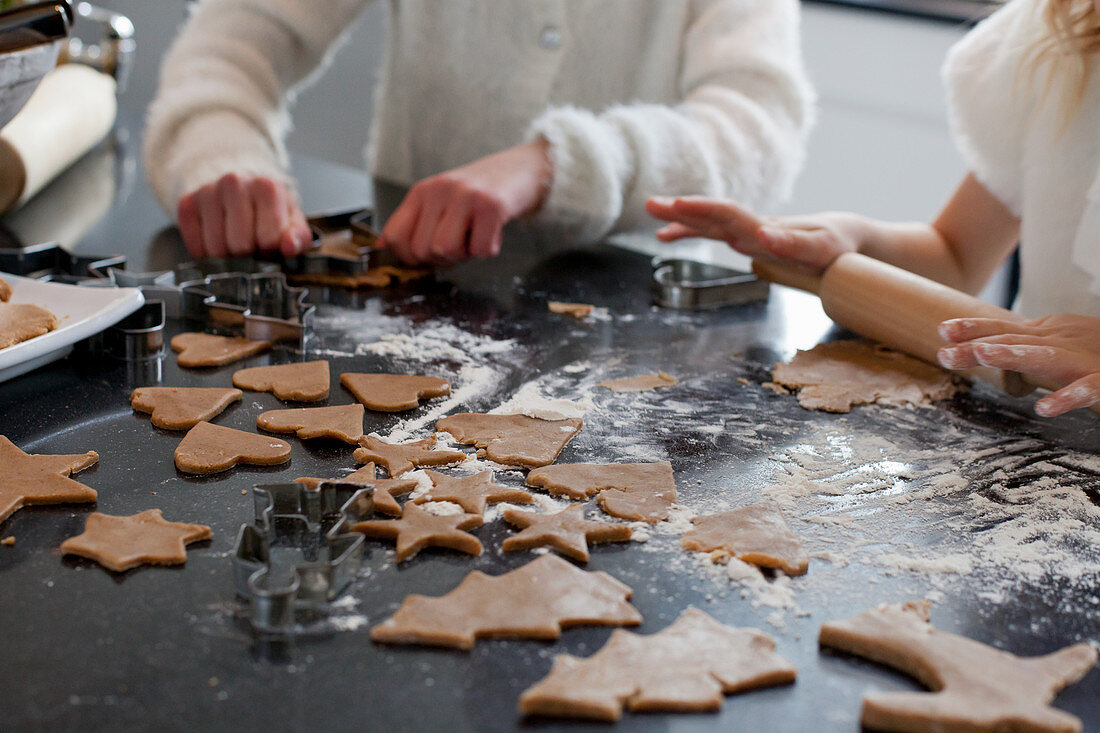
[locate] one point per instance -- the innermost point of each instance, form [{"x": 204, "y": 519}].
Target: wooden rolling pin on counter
[{"x": 899, "y": 309}]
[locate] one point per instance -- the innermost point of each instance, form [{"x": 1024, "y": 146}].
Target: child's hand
[
  {"x": 459, "y": 214},
  {"x": 809, "y": 243},
  {"x": 239, "y": 214},
  {"x": 1064, "y": 349}
]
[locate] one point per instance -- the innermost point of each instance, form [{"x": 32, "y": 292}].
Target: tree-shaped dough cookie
[
  {"x": 535, "y": 601},
  {"x": 684, "y": 668},
  {"x": 974, "y": 687},
  {"x": 31, "y": 480},
  {"x": 642, "y": 492},
  {"x": 514, "y": 440}
]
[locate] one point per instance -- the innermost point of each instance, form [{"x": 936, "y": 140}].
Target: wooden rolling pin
[{"x": 899, "y": 309}]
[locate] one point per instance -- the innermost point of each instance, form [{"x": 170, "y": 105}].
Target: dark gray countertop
[{"x": 166, "y": 649}]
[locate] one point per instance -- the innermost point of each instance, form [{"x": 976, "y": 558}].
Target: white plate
[{"x": 81, "y": 312}]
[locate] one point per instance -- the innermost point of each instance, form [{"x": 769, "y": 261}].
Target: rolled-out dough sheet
[{"x": 835, "y": 376}]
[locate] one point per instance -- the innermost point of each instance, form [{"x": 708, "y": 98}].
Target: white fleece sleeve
[
  {"x": 739, "y": 130},
  {"x": 225, "y": 84}
]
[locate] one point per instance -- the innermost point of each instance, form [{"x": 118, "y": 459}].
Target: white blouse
[
  {"x": 1036, "y": 155},
  {"x": 636, "y": 97}
]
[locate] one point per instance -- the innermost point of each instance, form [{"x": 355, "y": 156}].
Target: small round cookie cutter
[{"x": 691, "y": 285}]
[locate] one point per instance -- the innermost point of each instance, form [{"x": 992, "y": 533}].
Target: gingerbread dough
[
  {"x": 399, "y": 458},
  {"x": 304, "y": 382},
  {"x": 416, "y": 529},
  {"x": 535, "y": 601},
  {"x": 641, "y": 492},
  {"x": 211, "y": 448},
  {"x": 375, "y": 277},
  {"x": 755, "y": 534},
  {"x": 472, "y": 493},
  {"x": 394, "y": 392},
  {"x": 19, "y": 323},
  {"x": 121, "y": 543},
  {"x": 181, "y": 408},
  {"x": 974, "y": 687},
  {"x": 32, "y": 480},
  {"x": 686, "y": 667},
  {"x": 566, "y": 531},
  {"x": 835, "y": 376},
  {"x": 580, "y": 311},
  {"x": 641, "y": 383},
  {"x": 385, "y": 489},
  {"x": 208, "y": 350},
  {"x": 514, "y": 440},
  {"x": 5, "y": 292},
  {"x": 342, "y": 422}
]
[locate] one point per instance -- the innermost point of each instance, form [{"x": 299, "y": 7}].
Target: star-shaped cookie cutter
[{"x": 317, "y": 520}]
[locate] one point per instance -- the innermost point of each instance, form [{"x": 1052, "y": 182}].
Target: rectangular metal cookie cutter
[
  {"x": 691, "y": 285},
  {"x": 317, "y": 521}
]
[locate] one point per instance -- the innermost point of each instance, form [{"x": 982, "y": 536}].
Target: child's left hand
[{"x": 1064, "y": 349}]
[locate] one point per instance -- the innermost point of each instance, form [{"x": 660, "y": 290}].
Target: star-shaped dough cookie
[
  {"x": 566, "y": 531},
  {"x": 418, "y": 529},
  {"x": 385, "y": 489},
  {"x": 28, "y": 480},
  {"x": 146, "y": 538},
  {"x": 471, "y": 493},
  {"x": 397, "y": 458}
]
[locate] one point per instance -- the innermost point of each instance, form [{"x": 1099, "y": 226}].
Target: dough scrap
[
  {"x": 385, "y": 489},
  {"x": 208, "y": 350},
  {"x": 641, "y": 383},
  {"x": 472, "y": 493},
  {"x": 642, "y": 492},
  {"x": 342, "y": 422},
  {"x": 835, "y": 376},
  {"x": 535, "y": 601},
  {"x": 32, "y": 480},
  {"x": 394, "y": 392},
  {"x": 755, "y": 534},
  {"x": 19, "y": 323},
  {"x": 417, "y": 529},
  {"x": 566, "y": 531},
  {"x": 685, "y": 667},
  {"x": 182, "y": 408},
  {"x": 304, "y": 382},
  {"x": 209, "y": 448},
  {"x": 146, "y": 538},
  {"x": 513, "y": 440},
  {"x": 382, "y": 276},
  {"x": 5, "y": 292},
  {"x": 580, "y": 311},
  {"x": 398, "y": 458},
  {"x": 973, "y": 687}
]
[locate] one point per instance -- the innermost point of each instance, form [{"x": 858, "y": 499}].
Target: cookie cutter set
[
  {"x": 237, "y": 297},
  {"x": 690, "y": 285},
  {"x": 315, "y": 522}
]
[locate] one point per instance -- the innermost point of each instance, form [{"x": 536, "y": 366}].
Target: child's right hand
[
  {"x": 237, "y": 215},
  {"x": 809, "y": 243}
]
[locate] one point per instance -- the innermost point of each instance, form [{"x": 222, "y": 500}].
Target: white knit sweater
[
  {"x": 636, "y": 97},
  {"x": 1019, "y": 140}
]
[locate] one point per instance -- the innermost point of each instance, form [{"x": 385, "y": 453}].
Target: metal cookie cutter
[
  {"x": 316, "y": 523},
  {"x": 51, "y": 262},
  {"x": 344, "y": 243},
  {"x": 690, "y": 285},
  {"x": 260, "y": 307}
]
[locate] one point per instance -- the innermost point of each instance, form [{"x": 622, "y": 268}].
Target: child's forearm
[{"x": 916, "y": 247}]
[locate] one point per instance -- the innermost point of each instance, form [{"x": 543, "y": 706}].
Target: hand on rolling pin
[
  {"x": 460, "y": 214},
  {"x": 809, "y": 243},
  {"x": 237, "y": 215},
  {"x": 1064, "y": 349}
]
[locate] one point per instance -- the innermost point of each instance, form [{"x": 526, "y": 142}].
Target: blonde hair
[{"x": 1073, "y": 38}]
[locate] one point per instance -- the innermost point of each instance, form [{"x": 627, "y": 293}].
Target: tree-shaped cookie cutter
[{"x": 318, "y": 520}]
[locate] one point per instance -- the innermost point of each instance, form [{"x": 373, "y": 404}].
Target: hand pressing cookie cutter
[
  {"x": 691, "y": 285},
  {"x": 297, "y": 515},
  {"x": 344, "y": 243}
]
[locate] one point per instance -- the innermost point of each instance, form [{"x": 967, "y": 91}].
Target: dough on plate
[{"x": 20, "y": 322}]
